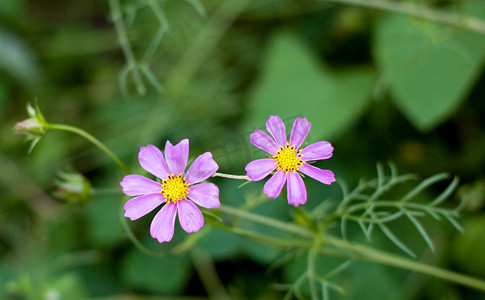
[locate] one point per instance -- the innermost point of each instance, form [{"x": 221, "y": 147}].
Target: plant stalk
[{"x": 93, "y": 140}]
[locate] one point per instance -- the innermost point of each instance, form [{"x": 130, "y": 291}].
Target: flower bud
[
  {"x": 34, "y": 127},
  {"x": 73, "y": 188}
]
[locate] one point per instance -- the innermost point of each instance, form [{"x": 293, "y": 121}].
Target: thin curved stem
[
  {"x": 419, "y": 11},
  {"x": 239, "y": 177},
  {"x": 376, "y": 256},
  {"x": 93, "y": 140},
  {"x": 133, "y": 238},
  {"x": 336, "y": 246}
]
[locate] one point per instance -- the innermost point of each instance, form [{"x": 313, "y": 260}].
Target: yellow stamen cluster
[
  {"x": 288, "y": 159},
  {"x": 174, "y": 188}
]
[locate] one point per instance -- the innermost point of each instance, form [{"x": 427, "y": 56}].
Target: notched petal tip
[
  {"x": 317, "y": 151},
  {"x": 203, "y": 167},
  {"x": 163, "y": 224},
  {"x": 272, "y": 188},
  {"x": 262, "y": 140},
  {"x": 190, "y": 217},
  {"x": 276, "y": 128},
  {"x": 299, "y": 132},
  {"x": 260, "y": 168},
  {"x": 296, "y": 190},
  {"x": 177, "y": 156}
]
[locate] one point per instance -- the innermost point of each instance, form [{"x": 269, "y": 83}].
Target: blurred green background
[{"x": 379, "y": 86}]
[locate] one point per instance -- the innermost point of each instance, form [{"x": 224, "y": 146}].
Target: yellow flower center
[
  {"x": 288, "y": 159},
  {"x": 174, "y": 188}
]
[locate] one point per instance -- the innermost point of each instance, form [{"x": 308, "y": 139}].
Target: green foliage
[
  {"x": 429, "y": 68},
  {"x": 368, "y": 206},
  {"x": 165, "y": 274},
  {"x": 18, "y": 59},
  {"x": 134, "y": 73},
  {"x": 293, "y": 82},
  {"x": 471, "y": 244}
]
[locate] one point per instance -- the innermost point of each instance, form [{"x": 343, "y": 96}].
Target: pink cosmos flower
[
  {"x": 179, "y": 190},
  {"x": 288, "y": 159}
]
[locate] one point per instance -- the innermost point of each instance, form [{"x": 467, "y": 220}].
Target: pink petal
[
  {"x": 260, "y": 168},
  {"x": 190, "y": 217},
  {"x": 324, "y": 176},
  {"x": 163, "y": 224},
  {"x": 177, "y": 156},
  {"x": 134, "y": 185},
  {"x": 139, "y": 206},
  {"x": 151, "y": 159},
  {"x": 296, "y": 189},
  {"x": 272, "y": 188},
  {"x": 261, "y": 140},
  {"x": 316, "y": 151},
  {"x": 299, "y": 132},
  {"x": 202, "y": 168},
  {"x": 277, "y": 129},
  {"x": 204, "y": 194}
]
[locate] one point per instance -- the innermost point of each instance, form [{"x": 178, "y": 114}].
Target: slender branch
[
  {"x": 205, "y": 268},
  {"x": 239, "y": 177},
  {"x": 419, "y": 11},
  {"x": 133, "y": 238},
  {"x": 357, "y": 251},
  {"x": 131, "y": 65},
  {"x": 376, "y": 256},
  {"x": 203, "y": 44},
  {"x": 267, "y": 221},
  {"x": 93, "y": 140}
]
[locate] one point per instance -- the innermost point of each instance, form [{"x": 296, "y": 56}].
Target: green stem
[
  {"x": 239, "y": 177},
  {"x": 376, "y": 256},
  {"x": 132, "y": 236},
  {"x": 205, "y": 268},
  {"x": 361, "y": 252},
  {"x": 267, "y": 221},
  {"x": 203, "y": 44},
  {"x": 93, "y": 140},
  {"x": 131, "y": 63},
  {"x": 419, "y": 11}
]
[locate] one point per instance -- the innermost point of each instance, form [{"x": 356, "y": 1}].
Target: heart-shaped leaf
[
  {"x": 295, "y": 83},
  {"x": 429, "y": 67}
]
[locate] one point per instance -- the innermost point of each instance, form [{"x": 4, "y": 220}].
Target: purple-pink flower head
[
  {"x": 288, "y": 159},
  {"x": 179, "y": 190}
]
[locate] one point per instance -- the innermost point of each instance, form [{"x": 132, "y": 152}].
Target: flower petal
[
  {"x": 296, "y": 189},
  {"x": 163, "y": 224},
  {"x": 151, "y": 159},
  {"x": 135, "y": 185},
  {"x": 324, "y": 176},
  {"x": 316, "y": 151},
  {"x": 204, "y": 194},
  {"x": 190, "y": 217},
  {"x": 299, "y": 132},
  {"x": 139, "y": 206},
  {"x": 260, "y": 168},
  {"x": 262, "y": 140},
  {"x": 272, "y": 188},
  {"x": 277, "y": 129},
  {"x": 202, "y": 168},
  {"x": 177, "y": 156}
]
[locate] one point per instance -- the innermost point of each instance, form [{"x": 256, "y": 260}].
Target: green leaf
[
  {"x": 430, "y": 68},
  {"x": 18, "y": 60},
  {"x": 294, "y": 83},
  {"x": 468, "y": 247},
  {"x": 165, "y": 274},
  {"x": 103, "y": 221}
]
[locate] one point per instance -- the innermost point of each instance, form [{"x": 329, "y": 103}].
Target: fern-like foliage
[
  {"x": 368, "y": 206},
  {"x": 138, "y": 68}
]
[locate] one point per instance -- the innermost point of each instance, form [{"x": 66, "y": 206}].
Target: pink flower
[
  {"x": 288, "y": 159},
  {"x": 179, "y": 190}
]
